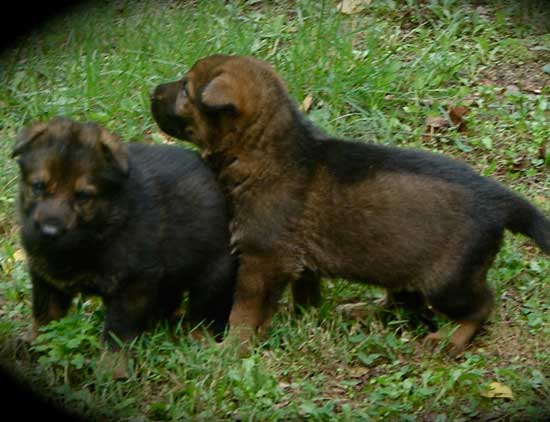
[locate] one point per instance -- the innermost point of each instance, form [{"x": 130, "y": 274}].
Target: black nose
[
  {"x": 158, "y": 93},
  {"x": 50, "y": 229}
]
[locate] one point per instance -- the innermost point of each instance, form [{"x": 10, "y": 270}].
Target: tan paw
[
  {"x": 354, "y": 310},
  {"x": 116, "y": 363}
]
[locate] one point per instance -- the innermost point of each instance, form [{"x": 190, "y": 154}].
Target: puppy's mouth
[
  {"x": 47, "y": 240},
  {"x": 176, "y": 130}
]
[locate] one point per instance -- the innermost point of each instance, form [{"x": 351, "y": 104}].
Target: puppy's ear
[
  {"x": 26, "y": 137},
  {"x": 115, "y": 150},
  {"x": 220, "y": 94}
]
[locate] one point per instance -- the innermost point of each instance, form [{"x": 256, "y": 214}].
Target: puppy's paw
[
  {"x": 435, "y": 341},
  {"x": 356, "y": 311},
  {"x": 30, "y": 336},
  {"x": 241, "y": 348},
  {"x": 115, "y": 363},
  {"x": 432, "y": 341}
]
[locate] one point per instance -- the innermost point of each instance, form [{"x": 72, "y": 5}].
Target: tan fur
[{"x": 295, "y": 221}]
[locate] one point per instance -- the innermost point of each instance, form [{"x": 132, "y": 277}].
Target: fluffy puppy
[
  {"x": 306, "y": 205},
  {"x": 137, "y": 225}
]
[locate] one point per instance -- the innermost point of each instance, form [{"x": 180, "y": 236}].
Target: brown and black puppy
[
  {"x": 304, "y": 204},
  {"x": 135, "y": 224}
]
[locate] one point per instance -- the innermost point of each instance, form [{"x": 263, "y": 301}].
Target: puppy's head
[
  {"x": 221, "y": 95},
  {"x": 68, "y": 173}
]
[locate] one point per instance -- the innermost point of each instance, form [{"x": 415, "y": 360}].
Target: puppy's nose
[
  {"x": 157, "y": 93},
  {"x": 50, "y": 229}
]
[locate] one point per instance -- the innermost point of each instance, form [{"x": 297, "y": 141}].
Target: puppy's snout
[{"x": 50, "y": 229}]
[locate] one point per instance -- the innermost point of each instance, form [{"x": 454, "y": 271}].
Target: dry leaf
[
  {"x": 350, "y": 7},
  {"x": 512, "y": 89},
  {"x": 520, "y": 163},
  {"x": 19, "y": 255},
  {"x": 354, "y": 310},
  {"x": 456, "y": 114},
  {"x": 435, "y": 124},
  {"x": 498, "y": 391},
  {"x": 306, "y": 104},
  {"x": 358, "y": 372},
  {"x": 162, "y": 138}
]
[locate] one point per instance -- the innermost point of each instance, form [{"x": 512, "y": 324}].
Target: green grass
[{"x": 376, "y": 76}]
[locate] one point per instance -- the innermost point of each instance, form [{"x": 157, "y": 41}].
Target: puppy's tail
[{"x": 525, "y": 218}]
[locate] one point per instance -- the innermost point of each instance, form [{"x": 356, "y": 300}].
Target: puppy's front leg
[
  {"x": 126, "y": 317},
  {"x": 260, "y": 284},
  {"x": 48, "y": 304}
]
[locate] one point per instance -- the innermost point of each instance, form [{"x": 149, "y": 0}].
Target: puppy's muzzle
[
  {"x": 163, "y": 108},
  {"x": 50, "y": 229},
  {"x": 52, "y": 219}
]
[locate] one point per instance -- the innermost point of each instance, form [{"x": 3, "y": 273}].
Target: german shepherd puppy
[
  {"x": 305, "y": 205},
  {"x": 134, "y": 224}
]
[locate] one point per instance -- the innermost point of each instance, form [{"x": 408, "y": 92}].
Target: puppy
[
  {"x": 134, "y": 224},
  {"x": 306, "y": 205}
]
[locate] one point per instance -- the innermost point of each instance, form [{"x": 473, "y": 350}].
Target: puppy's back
[
  {"x": 352, "y": 162},
  {"x": 187, "y": 208}
]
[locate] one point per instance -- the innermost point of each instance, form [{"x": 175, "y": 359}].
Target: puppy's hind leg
[
  {"x": 306, "y": 291},
  {"x": 211, "y": 297},
  {"x": 458, "y": 287},
  {"x": 467, "y": 303}
]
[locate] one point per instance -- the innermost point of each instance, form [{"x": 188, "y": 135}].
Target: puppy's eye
[
  {"x": 83, "y": 195},
  {"x": 38, "y": 188}
]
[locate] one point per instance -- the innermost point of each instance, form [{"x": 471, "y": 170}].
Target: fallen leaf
[
  {"x": 487, "y": 82},
  {"x": 520, "y": 163},
  {"x": 353, "y": 310},
  {"x": 482, "y": 11},
  {"x": 530, "y": 87},
  {"x": 456, "y": 114},
  {"x": 358, "y": 372},
  {"x": 19, "y": 255},
  {"x": 512, "y": 89},
  {"x": 546, "y": 68},
  {"x": 498, "y": 391},
  {"x": 350, "y": 7},
  {"x": 435, "y": 124},
  {"x": 282, "y": 404},
  {"x": 161, "y": 137},
  {"x": 306, "y": 104}
]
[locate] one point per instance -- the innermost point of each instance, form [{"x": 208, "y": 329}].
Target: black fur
[
  {"x": 352, "y": 162},
  {"x": 166, "y": 232}
]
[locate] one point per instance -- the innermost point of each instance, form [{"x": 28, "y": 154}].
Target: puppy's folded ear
[
  {"x": 221, "y": 94},
  {"x": 26, "y": 137},
  {"x": 115, "y": 150}
]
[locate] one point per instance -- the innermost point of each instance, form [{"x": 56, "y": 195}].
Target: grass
[{"x": 377, "y": 75}]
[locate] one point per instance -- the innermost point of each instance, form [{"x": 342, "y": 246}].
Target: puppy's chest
[
  {"x": 73, "y": 281},
  {"x": 265, "y": 219}
]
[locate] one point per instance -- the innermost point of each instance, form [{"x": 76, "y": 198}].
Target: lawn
[{"x": 395, "y": 72}]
